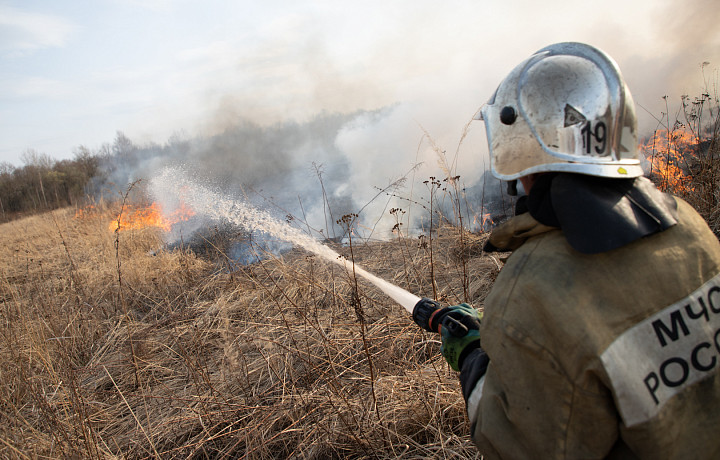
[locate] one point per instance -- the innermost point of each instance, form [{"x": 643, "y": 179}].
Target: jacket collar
[{"x": 511, "y": 234}]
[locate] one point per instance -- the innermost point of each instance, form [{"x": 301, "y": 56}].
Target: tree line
[{"x": 43, "y": 183}]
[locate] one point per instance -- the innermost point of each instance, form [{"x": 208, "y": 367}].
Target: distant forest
[{"x": 44, "y": 183}]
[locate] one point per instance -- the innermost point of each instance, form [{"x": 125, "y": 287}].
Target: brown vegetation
[
  {"x": 684, "y": 156},
  {"x": 111, "y": 349},
  {"x": 43, "y": 183}
]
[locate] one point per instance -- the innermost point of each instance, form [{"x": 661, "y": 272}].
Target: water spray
[{"x": 173, "y": 183}]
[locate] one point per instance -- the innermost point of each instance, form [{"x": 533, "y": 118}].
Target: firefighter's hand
[{"x": 460, "y": 330}]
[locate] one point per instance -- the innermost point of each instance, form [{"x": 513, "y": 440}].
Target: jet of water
[{"x": 173, "y": 182}]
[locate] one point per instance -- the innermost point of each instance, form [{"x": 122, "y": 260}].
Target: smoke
[
  {"x": 313, "y": 173},
  {"x": 673, "y": 51},
  {"x": 342, "y": 126}
]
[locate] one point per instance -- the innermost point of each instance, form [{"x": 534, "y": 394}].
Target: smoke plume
[{"x": 312, "y": 174}]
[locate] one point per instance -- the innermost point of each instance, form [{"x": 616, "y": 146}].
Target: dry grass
[
  {"x": 165, "y": 356},
  {"x": 683, "y": 154}
]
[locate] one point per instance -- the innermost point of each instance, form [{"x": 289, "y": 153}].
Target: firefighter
[{"x": 601, "y": 336}]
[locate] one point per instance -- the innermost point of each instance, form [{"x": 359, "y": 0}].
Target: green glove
[{"x": 460, "y": 331}]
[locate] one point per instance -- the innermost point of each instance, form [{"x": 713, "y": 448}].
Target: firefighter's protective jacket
[{"x": 609, "y": 355}]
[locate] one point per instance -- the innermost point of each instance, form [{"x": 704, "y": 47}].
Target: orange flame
[
  {"x": 87, "y": 211},
  {"x": 133, "y": 218},
  {"x": 484, "y": 221},
  {"x": 670, "y": 154}
]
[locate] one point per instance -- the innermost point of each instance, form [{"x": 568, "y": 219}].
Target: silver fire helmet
[{"x": 566, "y": 108}]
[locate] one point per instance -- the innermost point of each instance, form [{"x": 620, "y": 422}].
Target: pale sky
[{"x": 75, "y": 72}]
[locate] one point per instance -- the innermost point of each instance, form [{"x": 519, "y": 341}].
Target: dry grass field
[
  {"x": 112, "y": 348},
  {"x": 112, "y": 345}
]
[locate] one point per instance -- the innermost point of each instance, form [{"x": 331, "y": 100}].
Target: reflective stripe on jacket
[{"x": 612, "y": 355}]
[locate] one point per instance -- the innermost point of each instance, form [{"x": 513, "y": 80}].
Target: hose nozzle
[{"x": 425, "y": 314}]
